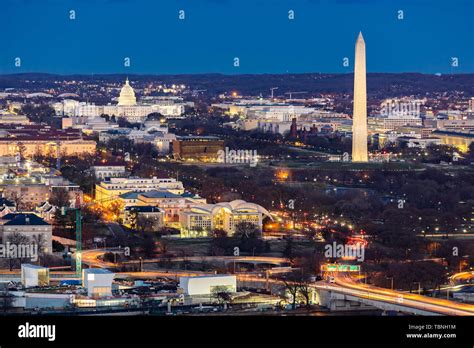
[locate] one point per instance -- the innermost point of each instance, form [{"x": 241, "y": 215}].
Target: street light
[
  {"x": 419, "y": 287},
  {"x": 391, "y": 278}
]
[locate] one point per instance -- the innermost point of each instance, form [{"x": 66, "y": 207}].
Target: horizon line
[{"x": 228, "y": 74}]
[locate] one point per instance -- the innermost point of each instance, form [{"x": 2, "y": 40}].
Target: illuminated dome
[{"x": 127, "y": 95}]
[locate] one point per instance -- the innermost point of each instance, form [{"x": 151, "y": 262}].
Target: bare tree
[
  {"x": 59, "y": 197},
  {"x": 16, "y": 239},
  {"x": 40, "y": 241},
  {"x": 6, "y": 300},
  {"x": 221, "y": 294},
  {"x": 298, "y": 283},
  {"x": 292, "y": 287},
  {"x": 17, "y": 199},
  {"x": 22, "y": 150},
  {"x": 163, "y": 247},
  {"x": 144, "y": 223}
]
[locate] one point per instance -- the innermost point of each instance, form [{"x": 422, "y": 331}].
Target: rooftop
[
  {"x": 143, "y": 209},
  {"x": 19, "y": 219},
  {"x": 97, "y": 271},
  {"x": 29, "y": 265},
  {"x": 159, "y": 194},
  {"x": 6, "y": 202},
  {"x": 211, "y": 276}
]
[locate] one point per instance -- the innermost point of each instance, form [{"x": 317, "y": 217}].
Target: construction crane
[
  {"x": 78, "y": 212},
  {"x": 272, "y": 89},
  {"x": 291, "y": 93},
  {"x": 78, "y": 238}
]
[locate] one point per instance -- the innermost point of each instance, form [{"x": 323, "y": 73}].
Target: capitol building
[
  {"x": 127, "y": 95},
  {"x": 127, "y": 107}
]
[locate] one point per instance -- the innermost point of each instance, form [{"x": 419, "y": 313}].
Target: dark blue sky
[{"x": 215, "y": 31}]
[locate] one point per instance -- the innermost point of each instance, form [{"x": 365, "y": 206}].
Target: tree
[
  {"x": 42, "y": 113},
  {"x": 133, "y": 218},
  {"x": 218, "y": 233},
  {"x": 163, "y": 247},
  {"x": 22, "y": 150},
  {"x": 298, "y": 284},
  {"x": 58, "y": 246},
  {"x": 246, "y": 229},
  {"x": 16, "y": 239},
  {"x": 249, "y": 236},
  {"x": 407, "y": 274},
  {"x": 292, "y": 287},
  {"x": 90, "y": 215},
  {"x": 222, "y": 294},
  {"x": 145, "y": 223},
  {"x": 288, "y": 251},
  {"x": 220, "y": 243},
  {"x": 64, "y": 221},
  {"x": 17, "y": 199},
  {"x": 109, "y": 257},
  {"x": 40, "y": 241},
  {"x": 6, "y": 300},
  {"x": 106, "y": 117},
  {"x": 59, "y": 197},
  {"x": 148, "y": 245}
]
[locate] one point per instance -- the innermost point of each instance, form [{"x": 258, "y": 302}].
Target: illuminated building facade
[
  {"x": 200, "y": 219},
  {"x": 126, "y": 107},
  {"x": 197, "y": 148},
  {"x": 171, "y": 203},
  {"x": 461, "y": 141},
  {"x": 148, "y": 218},
  {"x": 127, "y": 95},
  {"x": 112, "y": 188},
  {"x": 30, "y": 140}
]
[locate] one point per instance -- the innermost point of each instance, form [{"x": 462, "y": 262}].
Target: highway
[
  {"x": 91, "y": 258},
  {"x": 344, "y": 284},
  {"x": 462, "y": 278}
]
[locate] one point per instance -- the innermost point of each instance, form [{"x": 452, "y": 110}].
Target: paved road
[
  {"x": 90, "y": 257},
  {"x": 347, "y": 285},
  {"x": 344, "y": 284}
]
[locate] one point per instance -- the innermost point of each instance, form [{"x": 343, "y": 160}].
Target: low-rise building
[
  {"x": 6, "y": 207},
  {"x": 200, "y": 219},
  {"x": 109, "y": 170},
  {"x": 97, "y": 281},
  {"x": 201, "y": 148},
  {"x": 111, "y": 188},
  {"x": 208, "y": 284},
  {"x": 33, "y": 275},
  {"x": 420, "y": 143},
  {"x": 31, "y": 140},
  {"x": 461, "y": 140},
  {"x": 46, "y": 211},
  {"x": 30, "y": 191},
  {"x": 170, "y": 203},
  {"x": 147, "y": 218},
  {"x": 29, "y": 225}
]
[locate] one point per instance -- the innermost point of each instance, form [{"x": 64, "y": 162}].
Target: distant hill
[{"x": 378, "y": 84}]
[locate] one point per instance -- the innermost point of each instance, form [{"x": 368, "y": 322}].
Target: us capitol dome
[{"x": 127, "y": 95}]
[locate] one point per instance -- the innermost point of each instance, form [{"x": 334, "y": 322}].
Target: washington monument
[{"x": 359, "y": 117}]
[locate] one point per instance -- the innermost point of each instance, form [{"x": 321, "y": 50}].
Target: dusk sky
[{"x": 258, "y": 32}]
